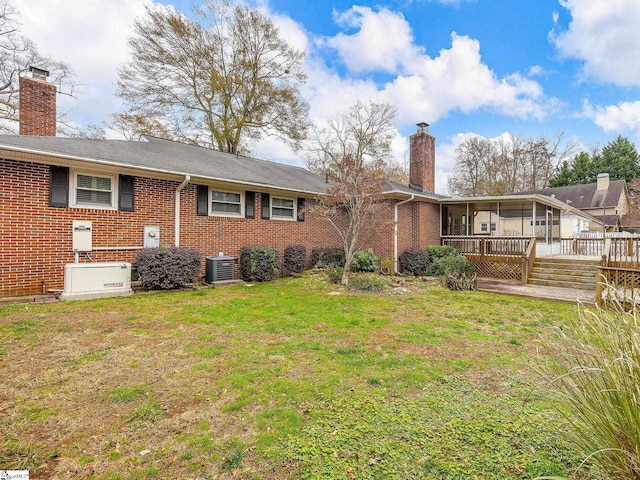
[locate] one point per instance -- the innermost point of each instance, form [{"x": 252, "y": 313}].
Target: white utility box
[
  {"x": 82, "y": 236},
  {"x": 94, "y": 280}
]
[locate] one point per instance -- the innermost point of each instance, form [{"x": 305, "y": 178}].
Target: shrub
[
  {"x": 447, "y": 260},
  {"x": 365, "y": 261},
  {"x": 367, "y": 281},
  {"x": 294, "y": 258},
  {"x": 323, "y": 257},
  {"x": 457, "y": 264},
  {"x": 440, "y": 251},
  {"x": 414, "y": 261},
  {"x": 334, "y": 273},
  {"x": 258, "y": 263},
  {"x": 594, "y": 372},
  {"x": 166, "y": 268}
]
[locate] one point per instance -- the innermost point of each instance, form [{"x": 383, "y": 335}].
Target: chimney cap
[
  {"x": 39, "y": 72},
  {"x": 422, "y": 126}
]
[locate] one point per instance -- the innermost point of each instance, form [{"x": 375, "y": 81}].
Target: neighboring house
[
  {"x": 191, "y": 196},
  {"x": 606, "y": 200}
]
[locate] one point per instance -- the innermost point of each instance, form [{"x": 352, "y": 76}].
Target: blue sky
[{"x": 485, "y": 67}]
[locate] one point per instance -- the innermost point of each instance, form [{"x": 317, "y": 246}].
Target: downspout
[
  {"x": 177, "y": 213},
  {"x": 395, "y": 232}
]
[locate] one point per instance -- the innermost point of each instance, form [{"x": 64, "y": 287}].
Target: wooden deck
[{"x": 557, "y": 294}]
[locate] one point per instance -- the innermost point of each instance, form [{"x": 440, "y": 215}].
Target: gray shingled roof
[
  {"x": 585, "y": 197},
  {"x": 166, "y": 156}
]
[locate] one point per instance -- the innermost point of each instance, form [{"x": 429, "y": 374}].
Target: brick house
[{"x": 191, "y": 196}]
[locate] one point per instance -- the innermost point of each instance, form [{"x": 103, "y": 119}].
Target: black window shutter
[
  {"x": 125, "y": 193},
  {"x": 301, "y": 209},
  {"x": 249, "y": 204},
  {"x": 202, "y": 200},
  {"x": 58, "y": 186},
  {"x": 266, "y": 210}
]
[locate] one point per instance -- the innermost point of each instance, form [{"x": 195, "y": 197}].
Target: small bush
[
  {"x": 323, "y": 257},
  {"x": 335, "y": 273},
  {"x": 439, "y": 251},
  {"x": 365, "y": 261},
  {"x": 449, "y": 260},
  {"x": 459, "y": 265},
  {"x": 414, "y": 261},
  {"x": 167, "y": 268},
  {"x": 370, "y": 282},
  {"x": 295, "y": 258},
  {"x": 258, "y": 263}
]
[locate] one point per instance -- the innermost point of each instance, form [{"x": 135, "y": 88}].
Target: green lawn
[{"x": 292, "y": 379}]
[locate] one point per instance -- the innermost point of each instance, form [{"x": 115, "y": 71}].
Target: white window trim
[
  {"x": 221, "y": 214},
  {"x": 278, "y": 217},
  {"x": 73, "y": 179}
]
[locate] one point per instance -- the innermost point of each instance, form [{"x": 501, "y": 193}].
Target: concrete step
[{"x": 28, "y": 299}]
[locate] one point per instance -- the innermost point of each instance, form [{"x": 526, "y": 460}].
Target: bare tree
[
  {"x": 351, "y": 153},
  {"x": 220, "y": 82},
  {"x": 17, "y": 54},
  {"x": 504, "y": 166}
]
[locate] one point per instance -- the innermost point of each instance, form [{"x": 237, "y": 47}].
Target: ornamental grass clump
[{"x": 595, "y": 371}]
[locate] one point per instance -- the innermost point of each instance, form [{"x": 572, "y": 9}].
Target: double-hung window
[
  {"x": 226, "y": 203},
  {"x": 283, "y": 208},
  {"x": 94, "y": 191}
]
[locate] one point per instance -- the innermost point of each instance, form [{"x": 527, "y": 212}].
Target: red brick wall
[
  {"x": 422, "y": 159},
  {"x": 37, "y": 107},
  {"x": 36, "y": 243}
]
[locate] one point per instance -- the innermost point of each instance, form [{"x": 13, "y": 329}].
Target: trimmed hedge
[
  {"x": 167, "y": 268},
  {"x": 295, "y": 258},
  {"x": 414, "y": 261},
  {"x": 258, "y": 263}
]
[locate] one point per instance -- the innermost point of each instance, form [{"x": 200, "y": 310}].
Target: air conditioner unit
[
  {"x": 98, "y": 279},
  {"x": 219, "y": 268}
]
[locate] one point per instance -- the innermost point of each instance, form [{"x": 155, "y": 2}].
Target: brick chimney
[
  {"x": 422, "y": 159},
  {"x": 37, "y": 104}
]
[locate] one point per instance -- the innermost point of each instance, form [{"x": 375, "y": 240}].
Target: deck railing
[
  {"x": 619, "y": 286},
  {"x": 582, "y": 246},
  {"x": 624, "y": 253},
  {"x": 497, "y": 257},
  {"x": 489, "y": 246}
]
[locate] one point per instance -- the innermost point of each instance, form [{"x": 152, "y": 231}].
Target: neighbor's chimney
[
  {"x": 37, "y": 104},
  {"x": 422, "y": 159},
  {"x": 603, "y": 182}
]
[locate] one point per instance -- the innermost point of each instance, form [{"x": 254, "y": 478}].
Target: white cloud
[
  {"x": 383, "y": 41},
  {"x": 457, "y": 79},
  {"x": 605, "y": 35},
  {"x": 89, "y": 35},
  {"x": 624, "y": 116}
]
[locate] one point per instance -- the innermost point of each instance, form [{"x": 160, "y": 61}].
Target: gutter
[
  {"x": 177, "y": 212},
  {"x": 395, "y": 231}
]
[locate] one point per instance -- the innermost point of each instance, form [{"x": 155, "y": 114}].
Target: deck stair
[{"x": 564, "y": 272}]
